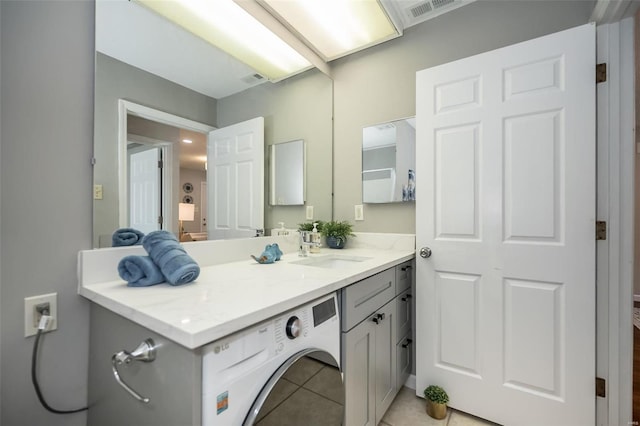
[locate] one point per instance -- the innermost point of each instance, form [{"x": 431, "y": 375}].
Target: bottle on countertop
[{"x": 315, "y": 239}]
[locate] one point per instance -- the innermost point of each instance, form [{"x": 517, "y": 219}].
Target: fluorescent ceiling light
[
  {"x": 228, "y": 27},
  {"x": 187, "y": 141},
  {"x": 335, "y": 28}
]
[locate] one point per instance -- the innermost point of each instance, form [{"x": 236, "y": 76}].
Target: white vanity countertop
[{"x": 230, "y": 296}]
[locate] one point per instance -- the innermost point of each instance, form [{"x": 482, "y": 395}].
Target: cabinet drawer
[
  {"x": 403, "y": 360},
  {"x": 361, "y": 299},
  {"x": 404, "y": 274},
  {"x": 403, "y": 315}
]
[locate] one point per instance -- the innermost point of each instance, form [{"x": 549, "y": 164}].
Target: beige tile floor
[
  {"x": 311, "y": 394},
  {"x": 409, "y": 410}
]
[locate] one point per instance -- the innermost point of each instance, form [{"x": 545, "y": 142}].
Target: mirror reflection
[
  {"x": 156, "y": 86},
  {"x": 287, "y": 165},
  {"x": 388, "y": 162}
]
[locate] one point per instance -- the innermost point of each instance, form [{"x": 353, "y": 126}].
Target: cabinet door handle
[
  {"x": 407, "y": 343},
  {"x": 405, "y": 268},
  {"x": 378, "y": 318},
  {"x": 406, "y": 298}
]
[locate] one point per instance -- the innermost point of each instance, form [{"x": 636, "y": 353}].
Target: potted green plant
[
  {"x": 437, "y": 400},
  {"x": 336, "y": 233}
]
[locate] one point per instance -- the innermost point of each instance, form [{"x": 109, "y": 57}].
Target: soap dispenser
[{"x": 315, "y": 239}]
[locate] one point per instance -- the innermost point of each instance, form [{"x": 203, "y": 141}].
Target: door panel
[
  {"x": 358, "y": 347},
  {"x": 385, "y": 359},
  {"x": 506, "y": 303},
  {"x": 457, "y": 182},
  {"x": 458, "y": 322}
]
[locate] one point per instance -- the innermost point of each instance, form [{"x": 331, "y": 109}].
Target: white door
[
  {"x": 235, "y": 180},
  {"x": 506, "y": 177},
  {"x": 144, "y": 190}
]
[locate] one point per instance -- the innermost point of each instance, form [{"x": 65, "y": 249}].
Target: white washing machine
[{"x": 283, "y": 371}]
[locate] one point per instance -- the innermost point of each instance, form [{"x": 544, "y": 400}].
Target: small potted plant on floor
[
  {"x": 437, "y": 400},
  {"x": 337, "y": 233}
]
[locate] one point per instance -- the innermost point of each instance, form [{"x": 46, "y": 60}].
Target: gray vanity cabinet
[
  {"x": 172, "y": 382},
  {"x": 376, "y": 352}
]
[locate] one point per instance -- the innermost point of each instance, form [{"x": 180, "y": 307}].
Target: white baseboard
[
  {"x": 411, "y": 382},
  {"x": 636, "y": 297}
]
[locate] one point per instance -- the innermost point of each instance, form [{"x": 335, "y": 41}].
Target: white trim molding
[
  {"x": 125, "y": 108},
  {"x": 616, "y": 153}
]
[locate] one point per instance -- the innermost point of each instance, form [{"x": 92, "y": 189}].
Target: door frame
[
  {"x": 615, "y": 204},
  {"x": 127, "y": 107}
]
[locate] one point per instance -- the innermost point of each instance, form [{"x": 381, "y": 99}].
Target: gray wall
[
  {"x": 45, "y": 143},
  {"x": 297, "y": 108},
  {"x": 378, "y": 85},
  {"x": 116, "y": 80}
]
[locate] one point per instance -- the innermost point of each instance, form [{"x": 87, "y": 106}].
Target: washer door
[{"x": 306, "y": 390}]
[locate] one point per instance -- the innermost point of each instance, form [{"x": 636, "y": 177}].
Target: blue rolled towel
[
  {"x": 126, "y": 237},
  {"x": 139, "y": 271},
  {"x": 165, "y": 250}
]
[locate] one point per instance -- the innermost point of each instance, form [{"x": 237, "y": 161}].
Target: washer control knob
[{"x": 293, "y": 327}]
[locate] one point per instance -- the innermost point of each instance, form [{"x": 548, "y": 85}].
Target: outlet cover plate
[
  {"x": 359, "y": 212},
  {"x": 309, "y": 212},
  {"x": 31, "y": 316}
]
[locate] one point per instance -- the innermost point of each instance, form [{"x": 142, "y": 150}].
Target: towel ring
[{"x": 145, "y": 352}]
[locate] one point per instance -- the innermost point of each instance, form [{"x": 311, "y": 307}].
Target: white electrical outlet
[
  {"x": 359, "y": 212},
  {"x": 309, "y": 212},
  {"x": 32, "y": 316}
]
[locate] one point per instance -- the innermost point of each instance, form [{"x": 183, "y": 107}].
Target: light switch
[
  {"x": 359, "y": 212},
  {"x": 309, "y": 212},
  {"x": 97, "y": 192}
]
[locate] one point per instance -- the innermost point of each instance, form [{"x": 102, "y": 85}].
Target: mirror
[
  {"x": 143, "y": 60},
  {"x": 388, "y": 162},
  {"x": 287, "y": 165}
]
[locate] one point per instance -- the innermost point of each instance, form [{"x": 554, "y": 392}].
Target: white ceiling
[{"x": 129, "y": 32}]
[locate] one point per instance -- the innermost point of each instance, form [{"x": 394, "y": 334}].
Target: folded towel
[
  {"x": 174, "y": 262},
  {"x": 139, "y": 271},
  {"x": 126, "y": 237},
  {"x": 271, "y": 253}
]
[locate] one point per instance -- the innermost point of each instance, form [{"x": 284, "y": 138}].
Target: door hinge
[
  {"x": 601, "y": 230},
  {"x": 601, "y": 387},
  {"x": 601, "y": 73},
  {"x": 160, "y": 220},
  {"x": 160, "y": 164}
]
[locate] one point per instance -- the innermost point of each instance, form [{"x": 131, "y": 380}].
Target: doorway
[{"x": 183, "y": 164}]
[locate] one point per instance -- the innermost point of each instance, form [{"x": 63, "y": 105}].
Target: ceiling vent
[
  {"x": 253, "y": 79},
  {"x": 414, "y": 12}
]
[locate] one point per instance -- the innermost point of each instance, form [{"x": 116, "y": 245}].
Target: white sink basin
[{"x": 331, "y": 261}]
